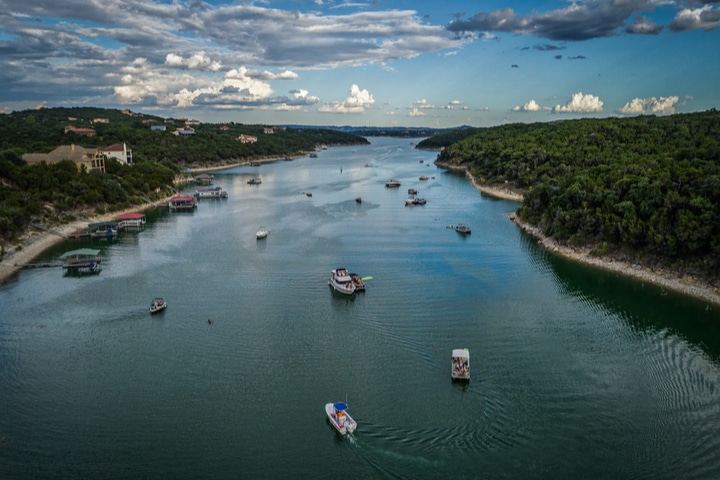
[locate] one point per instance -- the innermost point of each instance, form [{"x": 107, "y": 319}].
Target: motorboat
[
  {"x": 415, "y": 201},
  {"x": 157, "y": 305},
  {"x": 412, "y": 191},
  {"x": 461, "y": 364},
  {"x": 462, "y": 228},
  {"x": 423, "y": 178},
  {"x": 254, "y": 181},
  {"x": 262, "y": 233},
  {"x": 341, "y": 281},
  {"x": 392, "y": 183},
  {"x": 339, "y": 418},
  {"x": 358, "y": 199},
  {"x": 358, "y": 282}
]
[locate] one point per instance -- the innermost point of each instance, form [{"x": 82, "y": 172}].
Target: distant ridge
[{"x": 409, "y": 132}]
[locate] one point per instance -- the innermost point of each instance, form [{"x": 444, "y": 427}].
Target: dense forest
[
  {"x": 643, "y": 189},
  {"x": 52, "y": 193}
]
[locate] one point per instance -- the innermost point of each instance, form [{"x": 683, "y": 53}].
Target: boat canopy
[
  {"x": 340, "y": 406},
  {"x": 82, "y": 251},
  {"x": 130, "y": 216},
  {"x": 461, "y": 353},
  {"x": 103, "y": 225}
]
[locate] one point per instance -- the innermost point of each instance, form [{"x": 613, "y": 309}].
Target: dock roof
[{"x": 81, "y": 251}]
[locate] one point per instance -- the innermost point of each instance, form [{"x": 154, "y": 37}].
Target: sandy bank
[{"x": 685, "y": 284}]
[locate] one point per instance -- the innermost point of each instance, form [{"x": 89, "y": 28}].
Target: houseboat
[
  {"x": 211, "y": 192},
  {"x": 203, "y": 179},
  {"x": 84, "y": 260},
  {"x": 130, "y": 220},
  {"x": 103, "y": 229},
  {"x": 182, "y": 203}
]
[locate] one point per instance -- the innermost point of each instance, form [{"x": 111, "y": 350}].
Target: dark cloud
[{"x": 575, "y": 22}]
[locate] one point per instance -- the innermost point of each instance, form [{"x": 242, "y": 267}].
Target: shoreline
[
  {"x": 35, "y": 242},
  {"x": 683, "y": 284}
]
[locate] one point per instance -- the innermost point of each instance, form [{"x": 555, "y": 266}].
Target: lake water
[{"x": 576, "y": 372}]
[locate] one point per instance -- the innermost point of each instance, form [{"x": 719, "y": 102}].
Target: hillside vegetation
[
  {"x": 644, "y": 189},
  {"x": 51, "y": 193}
]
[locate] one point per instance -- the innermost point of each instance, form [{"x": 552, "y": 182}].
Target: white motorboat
[
  {"x": 339, "y": 418},
  {"x": 262, "y": 233},
  {"x": 157, "y": 305},
  {"x": 392, "y": 183},
  {"x": 461, "y": 364},
  {"x": 341, "y": 281}
]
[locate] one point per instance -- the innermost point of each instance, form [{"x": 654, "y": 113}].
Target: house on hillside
[
  {"x": 247, "y": 138},
  {"x": 90, "y": 158},
  {"x": 268, "y": 130},
  {"x": 88, "y": 132},
  {"x": 119, "y": 152},
  {"x": 185, "y": 131},
  {"x": 101, "y": 120}
]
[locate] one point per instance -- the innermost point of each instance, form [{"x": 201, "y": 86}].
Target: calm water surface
[{"x": 576, "y": 373}]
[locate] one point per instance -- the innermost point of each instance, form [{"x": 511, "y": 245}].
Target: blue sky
[{"x": 363, "y": 63}]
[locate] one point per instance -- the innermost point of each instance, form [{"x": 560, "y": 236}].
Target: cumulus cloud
[
  {"x": 643, "y": 25},
  {"x": 415, "y": 112},
  {"x": 580, "y": 103},
  {"x": 198, "y": 61},
  {"x": 531, "y": 106},
  {"x": 705, "y": 18},
  {"x": 358, "y": 102},
  {"x": 640, "y": 106}
]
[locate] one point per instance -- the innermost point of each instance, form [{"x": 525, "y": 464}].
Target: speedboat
[
  {"x": 462, "y": 228},
  {"x": 392, "y": 183},
  {"x": 341, "y": 281},
  {"x": 358, "y": 282},
  {"x": 157, "y": 305},
  {"x": 412, "y": 191},
  {"x": 262, "y": 233},
  {"x": 461, "y": 364},
  {"x": 339, "y": 418},
  {"x": 415, "y": 201}
]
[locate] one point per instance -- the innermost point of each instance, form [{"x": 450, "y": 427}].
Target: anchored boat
[
  {"x": 461, "y": 364},
  {"x": 341, "y": 281}
]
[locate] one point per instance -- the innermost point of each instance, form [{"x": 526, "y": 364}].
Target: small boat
[
  {"x": 358, "y": 199},
  {"x": 339, "y": 418},
  {"x": 423, "y": 178},
  {"x": 461, "y": 364},
  {"x": 254, "y": 164},
  {"x": 341, "y": 281},
  {"x": 262, "y": 233},
  {"x": 313, "y": 155},
  {"x": 415, "y": 201},
  {"x": 462, "y": 228},
  {"x": 254, "y": 181},
  {"x": 412, "y": 191},
  {"x": 392, "y": 183},
  {"x": 308, "y": 194},
  {"x": 358, "y": 282},
  {"x": 157, "y": 305}
]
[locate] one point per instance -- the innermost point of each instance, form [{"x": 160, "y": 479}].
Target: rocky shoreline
[{"x": 684, "y": 284}]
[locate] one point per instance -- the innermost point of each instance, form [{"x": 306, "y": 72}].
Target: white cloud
[
  {"x": 415, "y": 112},
  {"x": 639, "y": 106},
  {"x": 357, "y": 102},
  {"x": 198, "y": 61},
  {"x": 581, "y": 103},
  {"x": 531, "y": 106}
]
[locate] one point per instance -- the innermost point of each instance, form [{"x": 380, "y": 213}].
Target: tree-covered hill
[
  {"x": 646, "y": 189},
  {"x": 50, "y": 193}
]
